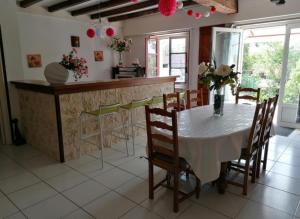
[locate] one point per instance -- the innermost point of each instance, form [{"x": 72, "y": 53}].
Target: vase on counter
[
  {"x": 55, "y": 73},
  {"x": 120, "y": 59},
  {"x": 219, "y": 97}
]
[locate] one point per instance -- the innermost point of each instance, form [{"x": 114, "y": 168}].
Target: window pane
[
  {"x": 164, "y": 64},
  {"x": 178, "y": 60},
  {"x": 178, "y": 45},
  {"x": 151, "y": 58},
  {"x": 180, "y": 73}
]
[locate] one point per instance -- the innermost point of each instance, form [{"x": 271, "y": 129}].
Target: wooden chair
[
  {"x": 172, "y": 101},
  {"x": 266, "y": 132},
  {"x": 194, "y": 98},
  {"x": 251, "y": 151},
  {"x": 163, "y": 152},
  {"x": 239, "y": 96}
]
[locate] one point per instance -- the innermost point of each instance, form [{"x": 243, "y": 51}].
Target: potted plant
[
  {"x": 216, "y": 78},
  {"x": 120, "y": 45}
]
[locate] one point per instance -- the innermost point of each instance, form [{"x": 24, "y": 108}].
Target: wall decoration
[
  {"x": 167, "y": 7},
  {"x": 198, "y": 15},
  {"x": 190, "y": 12},
  {"x": 75, "y": 41},
  {"x": 213, "y": 9},
  {"x": 110, "y": 32},
  {"x": 91, "y": 33},
  {"x": 98, "y": 56},
  {"x": 34, "y": 60}
]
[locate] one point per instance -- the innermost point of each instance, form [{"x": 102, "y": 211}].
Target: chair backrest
[
  {"x": 268, "y": 119},
  {"x": 194, "y": 98},
  {"x": 256, "y": 128},
  {"x": 239, "y": 96},
  {"x": 158, "y": 143},
  {"x": 172, "y": 100}
]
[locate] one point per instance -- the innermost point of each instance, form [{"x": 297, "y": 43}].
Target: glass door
[
  {"x": 227, "y": 49},
  {"x": 152, "y": 57},
  {"x": 289, "y": 102}
]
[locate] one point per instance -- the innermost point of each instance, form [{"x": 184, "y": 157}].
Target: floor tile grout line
[{"x": 297, "y": 208}]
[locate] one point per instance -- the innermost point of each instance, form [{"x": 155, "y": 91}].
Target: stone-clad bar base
[{"x": 50, "y": 114}]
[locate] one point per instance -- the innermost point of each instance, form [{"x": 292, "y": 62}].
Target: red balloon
[
  {"x": 198, "y": 15},
  {"x": 110, "y": 32},
  {"x": 91, "y": 33},
  {"x": 213, "y": 9},
  {"x": 167, "y": 7},
  {"x": 190, "y": 12}
]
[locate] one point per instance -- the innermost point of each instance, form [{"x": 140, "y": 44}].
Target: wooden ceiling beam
[
  {"x": 28, "y": 3},
  {"x": 125, "y": 9},
  {"x": 98, "y": 6},
  {"x": 222, "y": 6},
  {"x": 143, "y": 13},
  {"x": 65, "y": 4}
]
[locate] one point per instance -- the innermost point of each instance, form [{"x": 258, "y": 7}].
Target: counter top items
[
  {"x": 55, "y": 73},
  {"x": 128, "y": 72}
]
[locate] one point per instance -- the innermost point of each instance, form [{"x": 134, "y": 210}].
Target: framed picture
[
  {"x": 34, "y": 60},
  {"x": 98, "y": 56},
  {"x": 75, "y": 41}
]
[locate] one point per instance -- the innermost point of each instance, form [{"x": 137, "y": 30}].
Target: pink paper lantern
[
  {"x": 213, "y": 9},
  {"x": 190, "y": 12},
  {"x": 110, "y": 32},
  {"x": 91, "y": 33},
  {"x": 179, "y": 5},
  {"x": 167, "y": 7},
  {"x": 198, "y": 15}
]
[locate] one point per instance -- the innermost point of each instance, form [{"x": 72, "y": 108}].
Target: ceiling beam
[
  {"x": 65, "y": 4},
  {"x": 98, "y": 6},
  {"x": 28, "y": 3},
  {"x": 125, "y": 9},
  {"x": 143, "y": 13},
  {"x": 224, "y": 7}
]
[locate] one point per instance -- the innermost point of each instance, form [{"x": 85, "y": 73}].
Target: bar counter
[{"x": 50, "y": 114}]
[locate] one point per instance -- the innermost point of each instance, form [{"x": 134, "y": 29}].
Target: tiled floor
[{"x": 34, "y": 186}]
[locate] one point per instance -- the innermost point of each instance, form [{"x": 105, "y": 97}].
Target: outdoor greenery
[{"x": 263, "y": 69}]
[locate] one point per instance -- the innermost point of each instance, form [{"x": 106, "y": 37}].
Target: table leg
[{"x": 221, "y": 182}]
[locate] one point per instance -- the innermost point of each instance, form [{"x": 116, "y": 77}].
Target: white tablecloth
[{"x": 206, "y": 140}]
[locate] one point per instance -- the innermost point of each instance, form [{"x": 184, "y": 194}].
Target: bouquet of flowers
[
  {"x": 76, "y": 65},
  {"x": 120, "y": 45},
  {"x": 217, "y": 77}
]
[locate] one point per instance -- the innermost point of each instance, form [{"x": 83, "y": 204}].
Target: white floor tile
[
  {"x": 197, "y": 211},
  {"x": 66, "y": 180},
  {"x": 17, "y": 182},
  {"x": 114, "y": 178},
  {"x": 162, "y": 204},
  {"x": 32, "y": 195},
  {"x": 86, "y": 192},
  {"x": 140, "y": 213},
  {"x": 51, "y": 170},
  {"x": 227, "y": 204},
  {"x": 10, "y": 169},
  {"x": 135, "y": 189},
  {"x": 6, "y": 208},
  {"x": 79, "y": 162},
  {"x": 16, "y": 216},
  {"x": 275, "y": 198},
  {"x": 137, "y": 166},
  {"x": 37, "y": 162},
  {"x": 78, "y": 214},
  {"x": 110, "y": 205},
  {"x": 257, "y": 210},
  {"x": 94, "y": 168},
  {"x": 287, "y": 170},
  {"x": 290, "y": 159},
  {"x": 55, "y": 207}
]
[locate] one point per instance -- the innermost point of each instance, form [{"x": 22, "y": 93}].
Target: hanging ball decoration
[
  {"x": 207, "y": 14},
  {"x": 213, "y": 9},
  {"x": 91, "y": 33},
  {"x": 198, "y": 15},
  {"x": 98, "y": 32},
  {"x": 110, "y": 32},
  {"x": 179, "y": 5},
  {"x": 190, "y": 12},
  {"x": 135, "y": 1},
  {"x": 167, "y": 7}
]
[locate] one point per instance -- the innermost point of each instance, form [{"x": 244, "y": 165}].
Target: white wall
[
  {"x": 50, "y": 37},
  {"x": 249, "y": 11}
]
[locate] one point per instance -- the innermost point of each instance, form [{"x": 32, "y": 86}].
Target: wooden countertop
[{"x": 76, "y": 87}]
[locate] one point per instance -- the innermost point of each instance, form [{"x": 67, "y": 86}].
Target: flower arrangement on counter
[
  {"x": 77, "y": 65},
  {"x": 217, "y": 77}
]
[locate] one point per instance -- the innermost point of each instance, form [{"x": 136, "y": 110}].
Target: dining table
[{"x": 208, "y": 142}]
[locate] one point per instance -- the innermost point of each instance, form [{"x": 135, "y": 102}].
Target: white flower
[
  {"x": 223, "y": 70},
  {"x": 202, "y": 68}
]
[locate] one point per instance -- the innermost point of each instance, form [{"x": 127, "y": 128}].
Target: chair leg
[
  {"x": 176, "y": 187},
  {"x": 245, "y": 187},
  {"x": 197, "y": 188},
  {"x": 168, "y": 178},
  {"x": 258, "y": 162},
  {"x": 151, "y": 180},
  {"x": 100, "y": 147},
  {"x": 254, "y": 168},
  {"x": 266, "y": 156},
  {"x": 132, "y": 132}
]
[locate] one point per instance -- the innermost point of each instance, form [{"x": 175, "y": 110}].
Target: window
[{"x": 168, "y": 55}]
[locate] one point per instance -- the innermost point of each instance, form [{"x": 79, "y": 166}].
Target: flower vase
[
  {"x": 120, "y": 59},
  {"x": 219, "y": 98}
]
